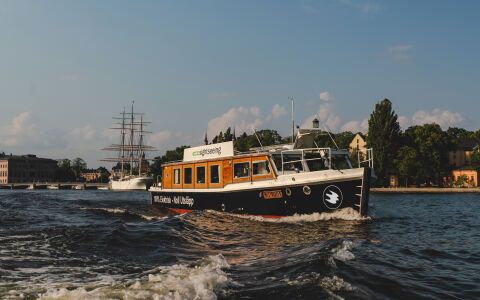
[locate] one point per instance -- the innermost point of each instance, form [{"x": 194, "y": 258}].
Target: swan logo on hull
[{"x": 332, "y": 197}]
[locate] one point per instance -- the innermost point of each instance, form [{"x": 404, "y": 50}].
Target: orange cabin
[{"x": 217, "y": 173}]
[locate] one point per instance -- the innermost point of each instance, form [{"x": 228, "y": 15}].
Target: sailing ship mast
[{"x": 130, "y": 149}]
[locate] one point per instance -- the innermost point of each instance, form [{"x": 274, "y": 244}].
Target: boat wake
[
  {"x": 124, "y": 212},
  {"x": 200, "y": 280},
  {"x": 347, "y": 214}
]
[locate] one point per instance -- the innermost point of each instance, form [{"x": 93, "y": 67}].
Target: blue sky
[{"x": 67, "y": 67}]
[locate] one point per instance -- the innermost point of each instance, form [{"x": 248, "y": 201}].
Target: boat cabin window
[
  {"x": 187, "y": 176},
  {"x": 241, "y": 169},
  {"x": 176, "y": 176},
  {"x": 260, "y": 168},
  {"x": 201, "y": 174},
  {"x": 292, "y": 162},
  {"x": 215, "y": 174},
  {"x": 316, "y": 161},
  {"x": 341, "y": 162}
]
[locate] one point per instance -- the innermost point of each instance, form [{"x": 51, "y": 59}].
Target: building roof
[
  {"x": 30, "y": 157},
  {"x": 466, "y": 144}
]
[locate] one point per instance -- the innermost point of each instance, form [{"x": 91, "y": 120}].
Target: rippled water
[{"x": 101, "y": 244}]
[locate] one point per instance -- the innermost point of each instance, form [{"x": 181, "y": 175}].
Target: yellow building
[
  {"x": 459, "y": 157},
  {"x": 359, "y": 144},
  {"x": 467, "y": 177},
  {"x": 98, "y": 175}
]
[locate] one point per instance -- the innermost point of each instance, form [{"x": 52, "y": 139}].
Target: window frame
[
  {"x": 180, "y": 177},
  {"x": 242, "y": 161},
  {"x": 220, "y": 175},
  {"x": 204, "y": 184},
  {"x": 192, "y": 178}
]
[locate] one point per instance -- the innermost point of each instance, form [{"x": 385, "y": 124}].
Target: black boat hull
[{"x": 274, "y": 201}]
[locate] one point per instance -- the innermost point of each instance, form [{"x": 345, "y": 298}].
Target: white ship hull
[{"x": 131, "y": 183}]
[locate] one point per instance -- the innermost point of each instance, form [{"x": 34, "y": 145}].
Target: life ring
[
  {"x": 288, "y": 191},
  {"x": 307, "y": 190}
]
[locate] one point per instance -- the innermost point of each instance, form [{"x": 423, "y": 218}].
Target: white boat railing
[{"x": 368, "y": 161}]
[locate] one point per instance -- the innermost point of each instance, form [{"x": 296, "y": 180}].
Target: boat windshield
[{"x": 310, "y": 160}]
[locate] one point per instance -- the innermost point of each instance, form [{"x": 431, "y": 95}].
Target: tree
[
  {"x": 383, "y": 136},
  {"x": 170, "y": 155},
  {"x": 406, "y": 162},
  {"x": 475, "y": 157},
  {"x": 432, "y": 145},
  {"x": 78, "y": 165},
  {"x": 64, "y": 170},
  {"x": 205, "y": 141}
]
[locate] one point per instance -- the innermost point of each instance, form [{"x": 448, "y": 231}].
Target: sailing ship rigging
[{"x": 131, "y": 153}]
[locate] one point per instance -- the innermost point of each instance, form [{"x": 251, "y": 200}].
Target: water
[{"x": 101, "y": 244}]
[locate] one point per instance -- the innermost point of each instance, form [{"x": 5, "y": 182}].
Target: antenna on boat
[
  {"x": 258, "y": 139},
  {"x": 293, "y": 120},
  {"x": 328, "y": 132}
]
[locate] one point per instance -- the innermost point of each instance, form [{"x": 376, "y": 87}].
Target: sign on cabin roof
[{"x": 208, "y": 151}]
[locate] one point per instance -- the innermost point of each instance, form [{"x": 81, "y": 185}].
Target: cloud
[
  {"x": 400, "y": 53},
  {"x": 444, "y": 118},
  {"x": 325, "y": 114},
  {"x": 355, "y": 126},
  {"x": 366, "y": 7},
  {"x": 159, "y": 139},
  {"x": 326, "y": 96},
  {"x": 20, "y": 131},
  {"x": 278, "y": 111},
  {"x": 240, "y": 118},
  {"x": 84, "y": 133}
]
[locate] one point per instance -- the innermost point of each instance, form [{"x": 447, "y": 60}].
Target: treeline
[
  {"x": 418, "y": 155},
  {"x": 70, "y": 170}
]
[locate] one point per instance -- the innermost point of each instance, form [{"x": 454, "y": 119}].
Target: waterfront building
[
  {"x": 358, "y": 144},
  {"x": 95, "y": 175},
  {"x": 459, "y": 156},
  {"x": 466, "y": 177},
  {"x": 26, "y": 168}
]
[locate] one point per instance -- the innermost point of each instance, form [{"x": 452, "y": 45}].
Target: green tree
[
  {"x": 64, "y": 171},
  {"x": 406, "y": 162},
  {"x": 78, "y": 165},
  {"x": 383, "y": 136},
  {"x": 432, "y": 145},
  {"x": 475, "y": 157},
  {"x": 170, "y": 155}
]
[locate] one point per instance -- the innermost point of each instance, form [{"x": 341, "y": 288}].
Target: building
[
  {"x": 461, "y": 154},
  {"x": 98, "y": 175},
  {"x": 359, "y": 144},
  {"x": 465, "y": 177},
  {"x": 26, "y": 168}
]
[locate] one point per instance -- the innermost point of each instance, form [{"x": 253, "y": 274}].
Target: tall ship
[
  {"x": 131, "y": 170},
  {"x": 274, "y": 181}
]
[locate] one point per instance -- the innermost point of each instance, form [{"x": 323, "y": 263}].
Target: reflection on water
[{"x": 98, "y": 244}]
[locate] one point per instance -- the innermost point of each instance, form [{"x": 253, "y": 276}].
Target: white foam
[
  {"x": 335, "y": 284},
  {"x": 109, "y": 210},
  {"x": 347, "y": 214},
  {"x": 123, "y": 211},
  {"x": 180, "y": 281},
  {"x": 343, "y": 251}
]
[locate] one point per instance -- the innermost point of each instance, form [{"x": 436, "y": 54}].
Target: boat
[
  {"x": 274, "y": 181},
  {"x": 130, "y": 173},
  {"x": 53, "y": 187}
]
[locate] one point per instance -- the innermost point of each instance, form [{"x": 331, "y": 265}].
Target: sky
[{"x": 68, "y": 67}]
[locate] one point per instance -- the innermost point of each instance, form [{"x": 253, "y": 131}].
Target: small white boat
[{"x": 53, "y": 187}]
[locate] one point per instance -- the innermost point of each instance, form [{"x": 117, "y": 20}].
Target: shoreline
[{"x": 424, "y": 190}]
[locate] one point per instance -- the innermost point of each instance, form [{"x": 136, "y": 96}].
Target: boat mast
[
  {"x": 131, "y": 140},
  {"x": 293, "y": 121},
  {"x": 122, "y": 147},
  {"x": 140, "y": 147}
]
